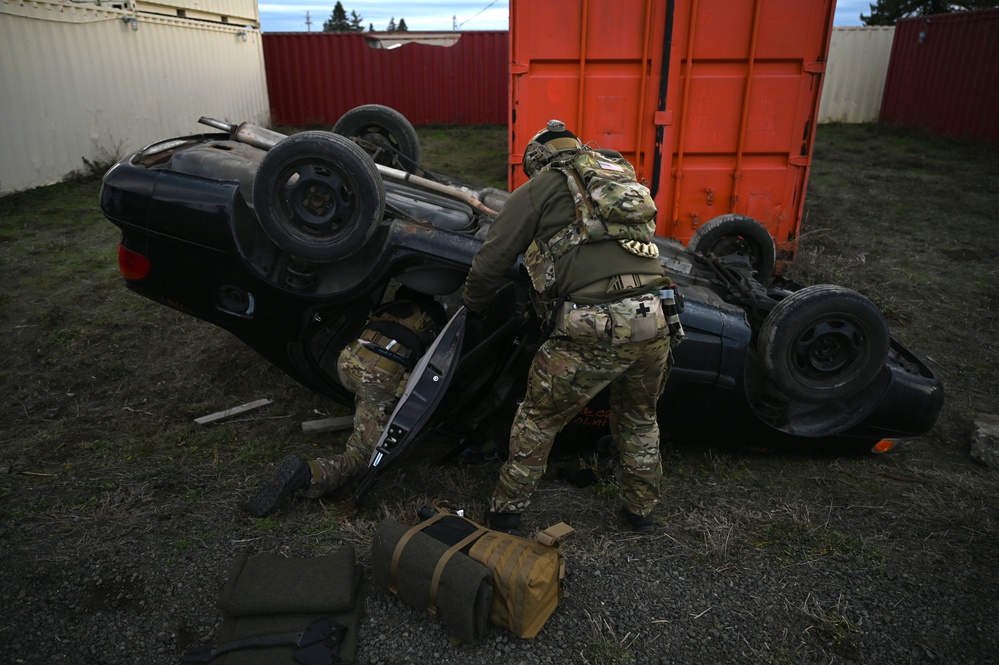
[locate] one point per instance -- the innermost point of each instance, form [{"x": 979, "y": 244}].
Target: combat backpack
[{"x": 610, "y": 205}]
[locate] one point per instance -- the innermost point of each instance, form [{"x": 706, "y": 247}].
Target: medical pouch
[
  {"x": 527, "y": 575},
  {"x": 636, "y": 319}
]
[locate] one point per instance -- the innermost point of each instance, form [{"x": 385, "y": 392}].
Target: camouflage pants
[
  {"x": 377, "y": 384},
  {"x": 564, "y": 377}
]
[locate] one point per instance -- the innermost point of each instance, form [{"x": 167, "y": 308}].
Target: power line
[{"x": 476, "y": 14}]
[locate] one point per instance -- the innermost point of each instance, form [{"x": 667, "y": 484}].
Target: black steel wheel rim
[
  {"x": 830, "y": 349},
  {"x": 316, "y": 199}
]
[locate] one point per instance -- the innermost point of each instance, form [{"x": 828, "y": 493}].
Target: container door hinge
[
  {"x": 817, "y": 67},
  {"x": 663, "y": 118},
  {"x": 517, "y": 69}
]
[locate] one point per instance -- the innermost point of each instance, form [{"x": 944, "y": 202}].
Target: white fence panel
[
  {"x": 82, "y": 82},
  {"x": 855, "y": 74}
]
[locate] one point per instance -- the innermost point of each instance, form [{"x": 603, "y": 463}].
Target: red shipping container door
[
  {"x": 313, "y": 78},
  {"x": 944, "y": 75},
  {"x": 714, "y": 101}
]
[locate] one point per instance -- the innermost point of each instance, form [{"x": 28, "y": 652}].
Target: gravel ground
[{"x": 845, "y": 580}]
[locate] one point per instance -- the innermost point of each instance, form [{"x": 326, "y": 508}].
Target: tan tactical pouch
[
  {"x": 636, "y": 319},
  {"x": 583, "y": 323},
  {"x": 527, "y": 575},
  {"x": 541, "y": 268}
]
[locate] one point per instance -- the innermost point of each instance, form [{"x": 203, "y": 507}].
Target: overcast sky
[{"x": 290, "y": 16}]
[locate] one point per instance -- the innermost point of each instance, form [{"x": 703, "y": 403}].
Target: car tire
[
  {"x": 823, "y": 344},
  {"x": 384, "y": 133},
  {"x": 318, "y": 196},
  {"x": 737, "y": 235}
]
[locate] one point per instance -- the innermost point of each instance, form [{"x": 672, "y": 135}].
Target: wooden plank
[
  {"x": 328, "y": 424},
  {"x": 236, "y": 410}
]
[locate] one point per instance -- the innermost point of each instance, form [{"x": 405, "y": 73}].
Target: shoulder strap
[
  {"x": 439, "y": 569},
  {"x": 401, "y": 545}
]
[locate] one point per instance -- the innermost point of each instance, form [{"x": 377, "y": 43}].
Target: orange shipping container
[{"x": 715, "y": 102}]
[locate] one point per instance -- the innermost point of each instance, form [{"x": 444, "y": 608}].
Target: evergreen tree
[
  {"x": 887, "y": 12},
  {"x": 356, "y": 22},
  {"x": 391, "y": 25},
  {"x": 402, "y": 27},
  {"x": 337, "y": 22},
  {"x": 371, "y": 27}
]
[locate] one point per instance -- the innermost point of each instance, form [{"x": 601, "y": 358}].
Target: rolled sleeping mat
[{"x": 430, "y": 575}]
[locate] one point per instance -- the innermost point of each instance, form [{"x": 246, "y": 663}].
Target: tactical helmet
[{"x": 545, "y": 146}]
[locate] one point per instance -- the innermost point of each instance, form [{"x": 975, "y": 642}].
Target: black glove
[{"x": 475, "y": 325}]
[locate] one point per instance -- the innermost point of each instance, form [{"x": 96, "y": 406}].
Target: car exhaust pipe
[
  {"x": 453, "y": 192},
  {"x": 265, "y": 139},
  {"x": 254, "y": 135}
]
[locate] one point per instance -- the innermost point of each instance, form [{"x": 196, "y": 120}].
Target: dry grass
[{"x": 99, "y": 450}]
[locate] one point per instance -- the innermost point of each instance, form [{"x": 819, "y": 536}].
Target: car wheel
[
  {"x": 823, "y": 343},
  {"x": 318, "y": 196},
  {"x": 384, "y": 133},
  {"x": 734, "y": 235}
]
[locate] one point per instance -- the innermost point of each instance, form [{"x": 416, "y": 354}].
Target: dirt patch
[{"x": 115, "y": 502}]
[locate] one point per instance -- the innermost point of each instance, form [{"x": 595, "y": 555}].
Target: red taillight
[
  {"x": 883, "y": 446},
  {"x": 133, "y": 266}
]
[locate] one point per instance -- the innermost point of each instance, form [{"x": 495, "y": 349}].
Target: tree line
[
  {"x": 339, "y": 22},
  {"x": 888, "y": 12}
]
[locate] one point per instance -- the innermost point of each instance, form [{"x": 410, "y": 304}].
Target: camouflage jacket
[{"x": 540, "y": 208}]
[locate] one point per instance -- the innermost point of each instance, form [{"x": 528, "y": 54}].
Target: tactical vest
[{"x": 610, "y": 205}]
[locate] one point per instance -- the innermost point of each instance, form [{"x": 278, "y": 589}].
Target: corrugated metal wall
[
  {"x": 76, "y": 81},
  {"x": 855, "y": 74},
  {"x": 314, "y": 78},
  {"x": 714, "y": 102},
  {"x": 944, "y": 75},
  {"x": 236, "y": 12}
]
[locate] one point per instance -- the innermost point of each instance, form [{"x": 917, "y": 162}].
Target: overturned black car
[{"x": 289, "y": 242}]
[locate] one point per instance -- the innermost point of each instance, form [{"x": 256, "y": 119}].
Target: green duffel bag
[
  {"x": 527, "y": 575},
  {"x": 430, "y": 575}
]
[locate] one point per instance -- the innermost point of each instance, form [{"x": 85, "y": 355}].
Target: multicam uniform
[
  {"x": 609, "y": 332},
  {"x": 375, "y": 367}
]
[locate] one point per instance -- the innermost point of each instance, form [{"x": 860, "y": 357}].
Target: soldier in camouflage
[
  {"x": 608, "y": 329},
  {"x": 375, "y": 367}
]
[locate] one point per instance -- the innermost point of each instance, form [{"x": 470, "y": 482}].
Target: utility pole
[
  {"x": 308, "y": 20},
  {"x": 454, "y": 21}
]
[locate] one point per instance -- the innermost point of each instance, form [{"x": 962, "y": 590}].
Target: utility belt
[
  {"x": 635, "y": 318},
  {"x": 392, "y": 346},
  {"x": 602, "y": 289},
  {"x": 375, "y": 356}
]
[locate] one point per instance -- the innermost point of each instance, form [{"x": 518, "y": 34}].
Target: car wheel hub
[
  {"x": 318, "y": 199},
  {"x": 828, "y": 347}
]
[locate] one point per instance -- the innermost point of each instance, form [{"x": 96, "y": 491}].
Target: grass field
[{"x": 100, "y": 452}]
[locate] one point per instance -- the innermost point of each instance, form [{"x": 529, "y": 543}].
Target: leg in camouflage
[
  {"x": 633, "y": 399},
  {"x": 377, "y": 392},
  {"x": 564, "y": 377}
]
